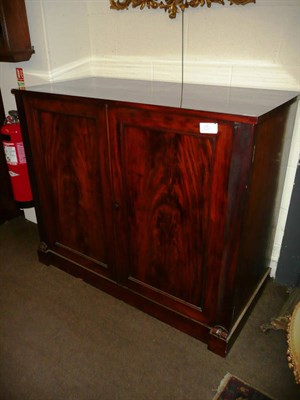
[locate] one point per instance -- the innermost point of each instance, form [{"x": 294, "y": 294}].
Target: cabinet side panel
[{"x": 272, "y": 138}]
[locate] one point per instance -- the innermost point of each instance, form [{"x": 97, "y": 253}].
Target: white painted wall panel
[{"x": 66, "y": 31}]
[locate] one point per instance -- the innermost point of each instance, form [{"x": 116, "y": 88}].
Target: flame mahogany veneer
[{"x": 131, "y": 197}]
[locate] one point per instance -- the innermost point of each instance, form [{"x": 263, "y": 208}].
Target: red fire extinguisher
[{"x": 16, "y": 160}]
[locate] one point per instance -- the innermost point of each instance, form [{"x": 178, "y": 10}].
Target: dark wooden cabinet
[
  {"x": 15, "y": 44},
  {"x": 168, "y": 208}
]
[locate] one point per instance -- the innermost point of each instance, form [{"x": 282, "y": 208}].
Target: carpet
[{"x": 232, "y": 388}]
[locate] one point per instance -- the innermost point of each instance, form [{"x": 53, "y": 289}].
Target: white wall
[
  {"x": 255, "y": 45},
  {"x": 59, "y": 32}
]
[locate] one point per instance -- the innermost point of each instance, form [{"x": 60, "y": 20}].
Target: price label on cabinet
[{"x": 208, "y": 128}]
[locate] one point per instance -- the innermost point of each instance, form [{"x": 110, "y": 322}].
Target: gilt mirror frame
[{"x": 171, "y": 6}]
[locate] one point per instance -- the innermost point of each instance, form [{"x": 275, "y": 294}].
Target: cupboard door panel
[
  {"x": 70, "y": 160},
  {"x": 172, "y": 189}
]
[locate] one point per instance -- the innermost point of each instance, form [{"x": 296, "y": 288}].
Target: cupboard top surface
[{"x": 216, "y": 99}]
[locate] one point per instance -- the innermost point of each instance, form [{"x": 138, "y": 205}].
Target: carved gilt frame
[{"x": 171, "y": 6}]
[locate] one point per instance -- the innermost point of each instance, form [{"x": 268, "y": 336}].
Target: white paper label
[
  {"x": 208, "y": 127},
  {"x": 10, "y": 154}
]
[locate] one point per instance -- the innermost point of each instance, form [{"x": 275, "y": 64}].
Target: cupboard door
[
  {"x": 170, "y": 184},
  {"x": 69, "y": 153}
]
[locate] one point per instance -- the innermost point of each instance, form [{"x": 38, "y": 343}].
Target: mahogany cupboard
[
  {"x": 167, "y": 202},
  {"x": 15, "y": 44}
]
